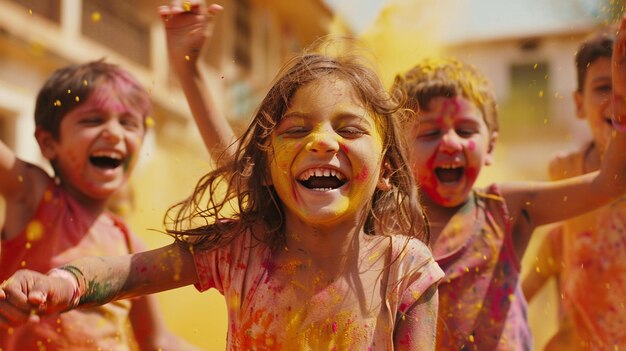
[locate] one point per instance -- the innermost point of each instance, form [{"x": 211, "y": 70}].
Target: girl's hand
[
  {"x": 27, "y": 294},
  {"x": 188, "y": 24},
  {"x": 619, "y": 78}
]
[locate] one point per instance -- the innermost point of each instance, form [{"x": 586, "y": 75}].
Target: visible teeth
[
  {"x": 448, "y": 166},
  {"x": 110, "y": 154},
  {"x": 321, "y": 172}
]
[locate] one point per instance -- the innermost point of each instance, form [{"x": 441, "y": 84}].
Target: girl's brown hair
[{"x": 236, "y": 196}]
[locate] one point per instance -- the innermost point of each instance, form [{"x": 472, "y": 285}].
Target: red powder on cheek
[
  {"x": 344, "y": 148},
  {"x": 471, "y": 174},
  {"x": 428, "y": 182},
  {"x": 363, "y": 174}
]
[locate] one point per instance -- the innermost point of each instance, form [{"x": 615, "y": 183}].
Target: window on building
[
  {"x": 528, "y": 106},
  {"x": 50, "y": 9},
  {"x": 115, "y": 25}
]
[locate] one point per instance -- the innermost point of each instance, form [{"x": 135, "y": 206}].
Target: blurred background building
[{"x": 525, "y": 47}]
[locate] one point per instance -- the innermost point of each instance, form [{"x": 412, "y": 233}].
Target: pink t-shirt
[
  {"x": 481, "y": 305},
  {"x": 61, "y": 232},
  {"x": 593, "y": 273},
  {"x": 268, "y": 313}
]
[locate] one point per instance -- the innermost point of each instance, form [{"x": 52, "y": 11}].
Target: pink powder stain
[
  {"x": 471, "y": 145},
  {"x": 450, "y": 108},
  {"x": 363, "y": 174},
  {"x": 334, "y": 327}
]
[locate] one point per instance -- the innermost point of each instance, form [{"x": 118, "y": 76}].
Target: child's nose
[
  {"x": 113, "y": 131},
  {"x": 451, "y": 142},
  {"x": 323, "y": 142}
]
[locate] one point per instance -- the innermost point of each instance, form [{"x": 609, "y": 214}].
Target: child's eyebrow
[
  {"x": 340, "y": 116},
  {"x": 602, "y": 79}
]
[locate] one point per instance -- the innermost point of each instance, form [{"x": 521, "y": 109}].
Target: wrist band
[{"x": 70, "y": 277}]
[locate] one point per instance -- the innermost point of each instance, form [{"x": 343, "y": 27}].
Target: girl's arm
[
  {"x": 547, "y": 264},
  {"x": 188, "y": 26},
  {"x": 416, "y": 330},
  {"x": 535, "y": 204},
  {"x": 92, "y": 281},
  {"x": 146, "y": 319}
]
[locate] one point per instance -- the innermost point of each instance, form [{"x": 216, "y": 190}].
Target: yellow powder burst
[
  {"x": 149, "y": 122},
  {"x": 34, "y": 230},
  {"x": 96, "y": 17},
  {"x": 187, "y": 5}
]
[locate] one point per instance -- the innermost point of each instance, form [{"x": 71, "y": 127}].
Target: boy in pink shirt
[{"x": 90, "y": 124}]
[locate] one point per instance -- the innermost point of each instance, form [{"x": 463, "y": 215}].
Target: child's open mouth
[
  {"x": 322, "y": 179},
  {"x": 106, "y": 159},
  {"x": 449, "y": 174}
]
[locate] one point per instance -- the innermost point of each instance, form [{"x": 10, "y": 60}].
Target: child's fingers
[
  {"x": 214, "y": 9},
  {"x": 12, "y": 316},
  {"x": 37, "y": 297}
]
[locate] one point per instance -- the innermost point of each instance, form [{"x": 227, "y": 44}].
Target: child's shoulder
[
  {"x": 410, "y": 249},
  {"x": 567, "y": 164}
]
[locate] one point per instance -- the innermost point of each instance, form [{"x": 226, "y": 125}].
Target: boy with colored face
[
  {"x": 586, "y": 253},
  {"x": 480, "y": 235},
  {"x": 90, "y": 126}
]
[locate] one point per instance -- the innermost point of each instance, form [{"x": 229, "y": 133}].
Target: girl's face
[
  {"x": 448, "y": 145},
  {"x": 326, "y": 154},
  {"x": 594, "y": 102},
  {"x": 98, "y": 144}
]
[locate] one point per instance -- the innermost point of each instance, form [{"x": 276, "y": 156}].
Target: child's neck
[
  {"x": 92, "y": 206},
  {"x": 328, "y": 247},
  {"x": 438, "y": 216},
  {"x": 592, "y": 160}
]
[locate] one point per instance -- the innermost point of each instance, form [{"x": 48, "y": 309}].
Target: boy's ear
[
  {"x": 384, "y": 181},
  {"x": 578, "y": 101},
  {"x": 47, "y": 143},
  {"x": 493, "y": 137}
]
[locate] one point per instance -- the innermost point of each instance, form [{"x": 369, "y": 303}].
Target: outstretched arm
[
  {"x": 541, "y": 203},
  {"x": 547, "y": 264},
  {"x": 149, "y": 328},
  {"x": 92, "y": 281},
  {"x": 188, "y": 25}
]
